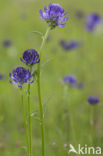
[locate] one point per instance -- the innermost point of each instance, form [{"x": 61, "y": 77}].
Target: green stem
[
  {"x": 39, "y": 94},
  {"x": 29, "y": 118},
  {"x": 25, "y": 122},
  {"x": 92, "y": 125}
]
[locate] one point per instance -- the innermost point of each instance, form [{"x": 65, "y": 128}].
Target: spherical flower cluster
[
  {"x": 54, "y": 15},
  {"x": 20, "y": 75},
  {"x": 92, "y": 21},
  {"x": 93, "y": 100},
  {"x": 70, "y": 46},
  {"x": 70, "y": 80},
  {"x": 30, "y": 57}
]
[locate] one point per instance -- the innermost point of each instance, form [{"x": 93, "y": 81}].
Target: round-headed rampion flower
[
  {"x": 70, "y": 80},
  {"x": 20, "y": 75},
  {"x": 70, "y": 46},
  {"x": 93, "y": 100},
  {"x": 54, "y": 15},
  {"x": 92, "y": 21},
  {"x": 30, "y": 57}
]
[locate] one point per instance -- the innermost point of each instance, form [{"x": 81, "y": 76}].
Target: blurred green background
[{"x": 68, "y": 114}]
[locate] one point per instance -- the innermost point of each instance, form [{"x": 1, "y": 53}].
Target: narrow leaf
[
  {"x": 47, "y": 61},
  {"x": 37, "y": 32}
]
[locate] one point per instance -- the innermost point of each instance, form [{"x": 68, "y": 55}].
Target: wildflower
[
  {"x": 54, "y": 15},
  {"x": 7, "y": 43},
  {"x": 93, "y": 100},
  {"x": 70, "y": 46},
  {"x": 20, "y": 75},
  {"x": 70, "y": 80},
  {"x": 92, "y": 21},
  {"x": 30, "y": 57}
]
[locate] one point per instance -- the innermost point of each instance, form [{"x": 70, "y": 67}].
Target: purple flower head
[
  {"x": 90, "y": 27},
  {"x": 20, "y": 75},
  {"x": 30, "y": 57},
  {"x": 93, "y": 100},
  {"x": 7, "y": 43},
  {"x": 92, "y": 21},
  {"x": 94, "y": 18},
  {"x": 54, "y": 15},
  {"x": 70, "y": 80},
  {"x": 70, "y": 46}
]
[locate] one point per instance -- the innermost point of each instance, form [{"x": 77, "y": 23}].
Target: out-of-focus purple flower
[
  {"x": 70, "y": 46},
  {"x": 7, "y": 43},
  {"x": 69, "y": 79},
  {"x": 92, "y": 21},
  {"x": 80, "y": 85},
  {"x": 54, "y": 15},
  {"x": 20, "y": 75},
  {"x": 79, "y": 14},
  {"x": 1, "y": 76},
  {"x": 93, "y": 100},
  {"x": 30, "y": 57}
]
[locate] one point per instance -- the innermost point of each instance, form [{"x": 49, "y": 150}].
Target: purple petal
[
  {"x": 22, "y": 60},
  {"x": 12, "y": 82},
  {"x": 65, "y": 13},
  {"x": 41, "y": 14},
  {"x": 19, "y": 85},
  {"x": 12, "y": 77},
  {"x": 61, "y": 25},
  {"x": 30, "y": 82}
]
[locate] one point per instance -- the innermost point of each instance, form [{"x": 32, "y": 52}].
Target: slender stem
[
  {"x": 25, "y": 122},
  {"x": 92, "y": 125},
  {"x": 73, "y": 132},
  {"x": 29, "y": 118},
  {"x": 39, "y": 95}
]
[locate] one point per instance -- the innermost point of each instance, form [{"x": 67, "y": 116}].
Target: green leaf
[
  {"x": 46, "y": 102},
  {"x": 37, "y": 32},
  {"x": 37, "y": 118},
  {"x": 47, "y": 61},
  {"x": 34, "y": 113},
  {"x": 24, "y": 147}
]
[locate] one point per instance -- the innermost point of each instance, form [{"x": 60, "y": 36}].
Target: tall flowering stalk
[
  {"x": 25, "y": 122},
  {"x": 70, "y": 82},
  {"x": 19, "y": 76},
  {"x": 93, "y": 100},
  {"x": 55, "y": 16},
  {"x": 30, "y": 57},
  {"x": 39, "y": 94}
]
